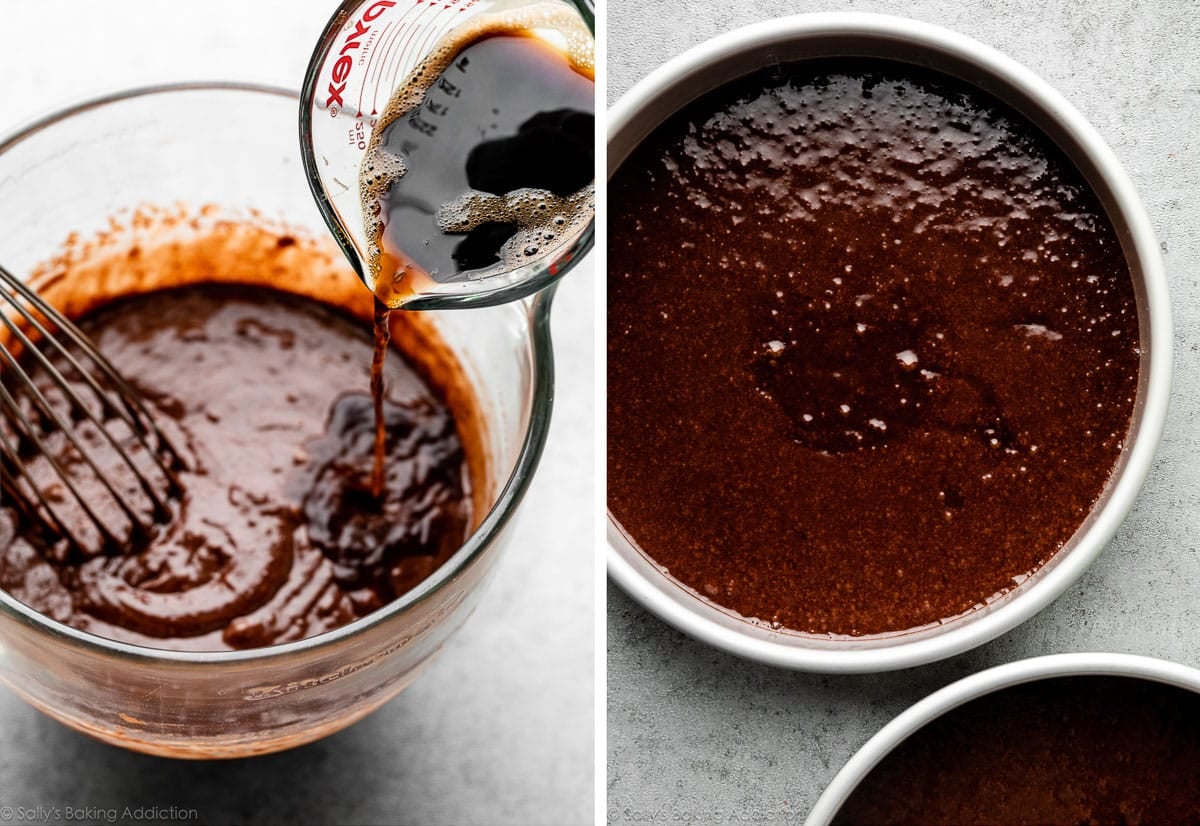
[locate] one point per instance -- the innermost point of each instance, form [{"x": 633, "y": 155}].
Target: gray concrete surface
[
  {"x": 697, "y": 736},
  {"x": 499, "y": 729}
]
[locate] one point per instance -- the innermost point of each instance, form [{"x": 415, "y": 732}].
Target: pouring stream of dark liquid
[{"x": 383, "y": 337}]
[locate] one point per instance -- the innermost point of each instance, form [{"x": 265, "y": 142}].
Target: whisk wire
[
  {"x": 48, "y": 338},
  {"x": 30, "y": 434},
  {"x": 58, "y": 378},
  {"x": 46, "y": 410},
  {"x": 11, "y": 469},
  {"x": 134, "y": 413}
]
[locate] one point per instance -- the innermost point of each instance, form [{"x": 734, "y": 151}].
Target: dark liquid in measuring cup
[
  {"x": 492, "y": 168},
  {"x": 482, "y": 161}
]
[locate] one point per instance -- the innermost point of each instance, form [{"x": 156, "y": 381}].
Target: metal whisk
[{"x": 81, "y": 458}]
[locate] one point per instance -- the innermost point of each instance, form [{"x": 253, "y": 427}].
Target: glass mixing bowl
[{"x": 232, "y": 149}]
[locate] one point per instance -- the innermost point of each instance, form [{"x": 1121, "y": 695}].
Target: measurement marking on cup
[
  {"x": 370, "y": 49},
  {"x": 353, "y": 44},
  {"x": 389, "y": 33},
  {"x": 382, "y": 57},
  {"x": 433, "y": 34},
  {"x": 403, "y": 27},
  {"x": 404, "y": 50},
  {"x": 405, "y": 62}
]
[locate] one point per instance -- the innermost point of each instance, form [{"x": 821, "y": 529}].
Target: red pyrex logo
[{"x": 341, "y": 69}]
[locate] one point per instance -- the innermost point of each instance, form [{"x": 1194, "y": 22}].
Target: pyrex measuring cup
[{"x": 368, "y": 50}]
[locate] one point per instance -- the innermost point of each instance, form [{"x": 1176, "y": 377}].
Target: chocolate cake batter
[
  {"x": 872, "y": 348},
  {"x": 1061, "y": 751},
  {"x": 277, "y": 535}
]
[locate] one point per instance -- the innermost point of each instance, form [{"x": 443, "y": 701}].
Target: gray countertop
[
  {"x": 499, "y": 729},
  {"x": 698, "y": 736}
]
